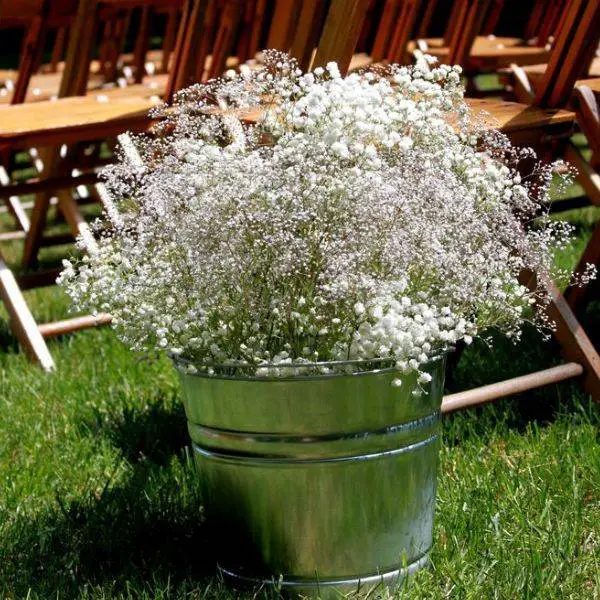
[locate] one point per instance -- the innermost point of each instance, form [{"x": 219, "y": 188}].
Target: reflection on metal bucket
[{"x": 318, "y": 483}]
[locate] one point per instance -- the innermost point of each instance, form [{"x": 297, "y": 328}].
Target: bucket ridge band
[{"x": 279, "y": 460}]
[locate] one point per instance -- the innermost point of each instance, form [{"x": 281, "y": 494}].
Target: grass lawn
[{"x": 98, "y": 494}]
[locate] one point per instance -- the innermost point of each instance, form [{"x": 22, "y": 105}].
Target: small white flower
[
  {"x": 379, "y": 221},
  {"x": 424, "y": 378},
  {"x": 359, "y": 309}
]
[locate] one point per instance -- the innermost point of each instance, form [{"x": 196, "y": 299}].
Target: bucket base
[{"x": 329, "y": 588}]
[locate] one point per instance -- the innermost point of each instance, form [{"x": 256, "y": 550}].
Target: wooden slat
[
  {"x": 468, "y": 29},
  {"x": 22, "y": 321},
  {"x": 81, "y": 39},
  {"x": 403, "y": 31},
  {"x": 281, "y": 32},
  {"x": 509, "y": 387},
  {"x": 34, "y": 41},
  {"x": 586, "y": 102},
  {"x": 492, "y": 17},
  {"x": 518, "y": 121},
  {"x": 45, "y": 86},
  {"x": 425, "y": 21},
  {"x": 13, "y": 202},
  {"x": 581, "y": 30},
  {"x": 254, "y": 44},
  {"x": 242, "y": 49},
  {"x": 341, "y": 31},
  {"x": 74, "y": 324},
  {"x": 593, "y": 84},
  {"x": 169, "y": 40},
  {"x": 513, "y": 117},
  {"x": 141, "y": 45},
  {"x": 225, "y": 40},
  {"x": 574, "y": 343},
  {"x": 307, "y": 32},
  {"x": 45, "y": 123},
  {"x": 578, "y": 296},
  {"x": 39, "y": 185},
  {"x": 188, "y": 36},
  {"x": 587, "y": 176},
  {"x": 490, "y": 54},
  {"x": 385, "y": 29}
]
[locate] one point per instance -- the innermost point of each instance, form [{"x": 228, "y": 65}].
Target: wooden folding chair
[
  {"x": 464, "y": 44},
  {"x": 523, "y": 124},
  {"x": 37, "y": 18},
  {"x": 575, "y": 46},
  {"x": 578, "y": 33},
  {"x": 112, "y": 68},
  {"x": 48, "y": 125},
  {"x": 586, "y": 102},
  {"x": 70, "y": 121}
]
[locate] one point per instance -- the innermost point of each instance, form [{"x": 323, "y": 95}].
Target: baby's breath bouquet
[{"x": 367, "y": 218}]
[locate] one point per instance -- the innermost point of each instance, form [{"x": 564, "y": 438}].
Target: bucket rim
[{"x": 179, "y": 362}]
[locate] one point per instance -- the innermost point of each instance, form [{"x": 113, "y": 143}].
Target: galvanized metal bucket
[{"x": 318, "y": 483}]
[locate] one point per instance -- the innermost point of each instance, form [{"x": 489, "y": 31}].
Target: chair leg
[
  {"x": 577, "y": 297},
  {"x": 13, "y": 204},
  {"x": 23, "y": 324},
  {"x": 54, "y": 165},
  {"x": 576, "y": 346},
  {"x": 587, "y": 176}
]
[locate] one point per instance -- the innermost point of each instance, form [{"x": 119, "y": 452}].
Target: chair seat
[
  {"x": 45, "y": 87},
  {"x": 593, "y": 84},
  {"x": 536, "y": 72},
  {"x": 489, "y": 54},
  {"x": 69, "y": 120},
  {"x": 482, "y": 41},
  {"x": 522, "y": 123}
]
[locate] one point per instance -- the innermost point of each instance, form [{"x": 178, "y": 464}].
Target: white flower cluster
[{"x": 361, "y": 219}]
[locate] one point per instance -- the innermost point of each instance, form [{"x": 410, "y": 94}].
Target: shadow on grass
[
  {"x": 136, "y": 533},
  {"x": 8, "y": 342},
  {"x": 155, "y": 434}
]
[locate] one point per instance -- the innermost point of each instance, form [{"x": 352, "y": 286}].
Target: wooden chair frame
[
  {"x": 56, "y": 177},
  {"x": 468, "y": 41},
  {"x": 583, "y": 360},
  {"x": 340, "y": 34}
]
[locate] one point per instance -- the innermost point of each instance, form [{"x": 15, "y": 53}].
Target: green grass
[{"x": 99, "y": 498}]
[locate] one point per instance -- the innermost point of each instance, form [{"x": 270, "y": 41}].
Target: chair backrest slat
[
  {"x": 403, "y": 31},
  {"x": 492, "y": 17},
  {"x": 456, "y": 16},
  {"x": 310, "y": 23},
  {"x": 385, "y": 29},
  {"x": 190, "y": 30},
  {"x": 341, "y": 32},
  {"x": 31, "y": 50},
  {"x": 576, "y": 40},
  {"x": 81, "y": 39},
  {"x": 243, "y": 43},
  {"x": 283, "y": 21},
  {"x": 534, "y": 22},
  {"x": 255, "y": 43},
  {"x": 225, "y": 41},
  {"x": 426, "y": 18},
  {"x": 468, "y": 28}
]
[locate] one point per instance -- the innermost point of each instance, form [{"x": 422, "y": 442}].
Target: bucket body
[{"x": 318, "y": 482}]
